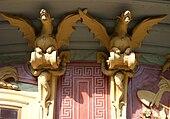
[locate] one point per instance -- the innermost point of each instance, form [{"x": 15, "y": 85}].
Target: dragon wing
[
  {"x": 65, "y": 29},
  {"x": 141, "y": 30},
  {"x": 24, "y": 27},
  {"x": 97, "y": 28}
]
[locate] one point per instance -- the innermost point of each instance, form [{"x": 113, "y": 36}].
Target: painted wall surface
[
  {"x": 83, "y": 93},
  {"x": 146, "y": 77}
]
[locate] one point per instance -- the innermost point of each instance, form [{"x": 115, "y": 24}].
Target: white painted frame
[{"x": 26, "y": 103}]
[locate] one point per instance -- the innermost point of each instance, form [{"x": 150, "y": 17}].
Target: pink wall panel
[{"x": 83, "y": 93}]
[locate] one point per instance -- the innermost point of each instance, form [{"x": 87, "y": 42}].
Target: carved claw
[
  {"x": 50, "y": 49},
  {"x": 38, "y": 50},
  {"x": 128, "y": 51},
  {"x": 35, "y": 72},
  {"x": 130, "y": 59},
  {"x": 116, "y": 50}
]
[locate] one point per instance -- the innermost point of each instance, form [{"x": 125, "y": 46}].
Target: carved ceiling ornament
[
  {"x": 48, "y": 63},
  {"x": 151, "y": 99},
  {"x": 122, "y": 59},
  {"x": 46, "y": 60}
]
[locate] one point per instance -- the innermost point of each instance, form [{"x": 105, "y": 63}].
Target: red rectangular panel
[{"x": 83, "y": 93}]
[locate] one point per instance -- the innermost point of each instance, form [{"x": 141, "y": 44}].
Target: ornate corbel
[
  {"x": 122, "y": 59},
  {"x": 6, "y": 73},
  {"x": 47, "y": 60},
  {"x": 48, "y": 63},
  {"x": 45, "y": 71},
  {"x": 118, "y": 78}
]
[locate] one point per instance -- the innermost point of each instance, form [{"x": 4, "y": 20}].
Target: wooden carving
[
  {"x": 65, "y": 29},
  {"x": 6, "y": 73},
  {"x": 121, "y": 42},
  {"x": 122, "y": 60},
  {"x": 118, "y": 87},
  {"x": 46, "y": 60}
]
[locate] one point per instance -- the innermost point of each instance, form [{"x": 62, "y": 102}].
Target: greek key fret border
[{"x": 99, "y": 91}]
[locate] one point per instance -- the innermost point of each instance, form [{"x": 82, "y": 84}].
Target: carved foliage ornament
[{"x": 122, "y": 60}]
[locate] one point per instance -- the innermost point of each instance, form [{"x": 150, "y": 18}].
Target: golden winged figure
[
  {"x": 121, "y": 41},
  {"x": 46, "y": 37},
  {"x": 46, "y": 43}
]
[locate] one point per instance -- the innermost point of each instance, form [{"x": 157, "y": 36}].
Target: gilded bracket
[
  {"x": 118, "y": 78},
  {"x": 47, "y": 60},
  {"x": 45, "y": 75},
  {"x": 122, "y": 60}
]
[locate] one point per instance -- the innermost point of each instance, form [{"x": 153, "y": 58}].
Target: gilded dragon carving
[
  {"x": 122, "y": 60},
  {"x": 46, "y": 60}
]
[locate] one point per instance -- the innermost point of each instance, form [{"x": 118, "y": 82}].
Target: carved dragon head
[
  {"x": 125, "y": 17},
  {"x": 44, "y": 15}
]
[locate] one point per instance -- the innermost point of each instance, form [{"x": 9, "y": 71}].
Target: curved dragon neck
[
  {"x": 121, "y": 29},
  {"x": 47, "y": 28}
]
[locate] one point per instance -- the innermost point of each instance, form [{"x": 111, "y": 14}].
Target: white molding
[{"x": 26, "y": 102}]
